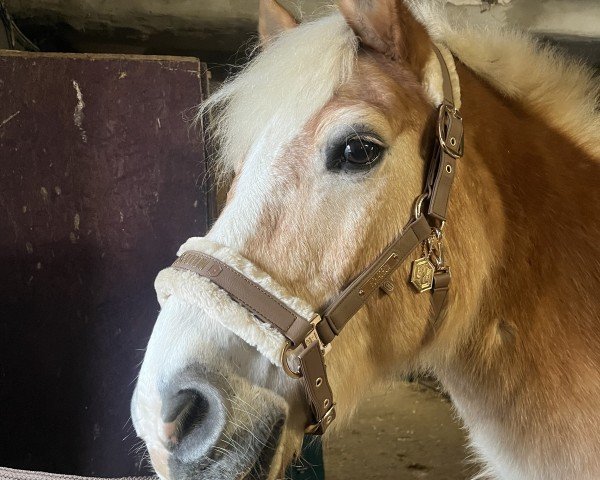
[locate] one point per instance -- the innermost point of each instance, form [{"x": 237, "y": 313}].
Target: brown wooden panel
[{"x": 100, "y": 181}]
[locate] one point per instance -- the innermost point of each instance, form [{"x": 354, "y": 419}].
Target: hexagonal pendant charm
[{"x": 421, "y": 275}]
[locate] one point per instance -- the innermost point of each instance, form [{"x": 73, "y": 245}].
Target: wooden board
[{"x": 100, "y": 182}]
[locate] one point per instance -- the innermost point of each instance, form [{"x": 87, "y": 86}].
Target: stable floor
[{"x": 406, "y": 432}]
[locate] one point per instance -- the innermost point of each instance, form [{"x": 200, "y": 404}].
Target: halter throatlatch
[{"x": 309, "y": 339}]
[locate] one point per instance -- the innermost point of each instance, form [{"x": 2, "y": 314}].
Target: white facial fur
[
  {"x": 260, "y": 111},
  {"x": 186, "y": 332}
]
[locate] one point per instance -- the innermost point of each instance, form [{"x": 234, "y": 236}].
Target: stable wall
[{"x": 219, "y": 30}]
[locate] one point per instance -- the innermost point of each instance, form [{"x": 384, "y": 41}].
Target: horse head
[{"x": 327, "y": 132}]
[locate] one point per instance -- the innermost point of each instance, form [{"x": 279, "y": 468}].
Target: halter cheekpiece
[{"x": 312, "y": 337}]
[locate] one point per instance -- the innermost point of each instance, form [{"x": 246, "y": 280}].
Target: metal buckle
[
  {"x": 455, "y": 146},
  {"x": 312, "y": 337},
  {"x": 327, "y": 420}
]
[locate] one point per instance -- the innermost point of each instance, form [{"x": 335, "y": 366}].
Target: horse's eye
[
  {"x": 355, "y": 153},
  {"x": 360, "y": 153}
]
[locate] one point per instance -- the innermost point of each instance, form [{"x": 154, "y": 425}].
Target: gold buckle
[
  {"x": 455, "y": 146},
  {"x": 312, "y": 337}
]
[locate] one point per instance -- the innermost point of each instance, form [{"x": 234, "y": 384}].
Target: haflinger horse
[{"x": 330, "y": 133}]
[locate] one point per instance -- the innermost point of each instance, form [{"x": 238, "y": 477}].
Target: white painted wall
[{"x": 555, "y": 17}]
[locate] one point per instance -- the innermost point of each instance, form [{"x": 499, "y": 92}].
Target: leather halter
[{"x": 313, "y": 337}]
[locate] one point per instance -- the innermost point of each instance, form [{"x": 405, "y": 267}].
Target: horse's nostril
[
  {"x": 193, "y": 419},
  {"x": 187, "y": 410}
]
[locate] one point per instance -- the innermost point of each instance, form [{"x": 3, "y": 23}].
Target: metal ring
[
  {"x": 419, "y": 204},
  {"x": 286, "y": 365}
]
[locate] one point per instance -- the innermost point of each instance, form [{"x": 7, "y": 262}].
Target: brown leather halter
[{"x": 314, "y": 336}]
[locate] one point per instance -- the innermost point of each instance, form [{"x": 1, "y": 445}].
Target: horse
[{"x": 327, "y": 133}]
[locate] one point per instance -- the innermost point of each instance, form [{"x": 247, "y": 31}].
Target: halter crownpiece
[{"x": 311, "y": 337}]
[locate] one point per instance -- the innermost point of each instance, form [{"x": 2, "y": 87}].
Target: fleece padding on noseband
[{"x": 218, "y": 305}]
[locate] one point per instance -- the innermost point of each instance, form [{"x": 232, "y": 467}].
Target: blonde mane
[
  {"x": 280, "y": 89},
  {"x": 563, "y": 91}
]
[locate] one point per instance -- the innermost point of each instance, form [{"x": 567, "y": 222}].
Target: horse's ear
[
  {"x": 272, "y": 20},
  {"x": 389, "y": 27}
]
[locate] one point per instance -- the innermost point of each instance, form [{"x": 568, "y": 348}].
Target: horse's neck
[
  {"x": 525, "y": 265},
  {"x": 527, "y": 199}
]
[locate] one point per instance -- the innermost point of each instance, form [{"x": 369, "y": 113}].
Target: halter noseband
[{"x": 429, "y": 273}]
